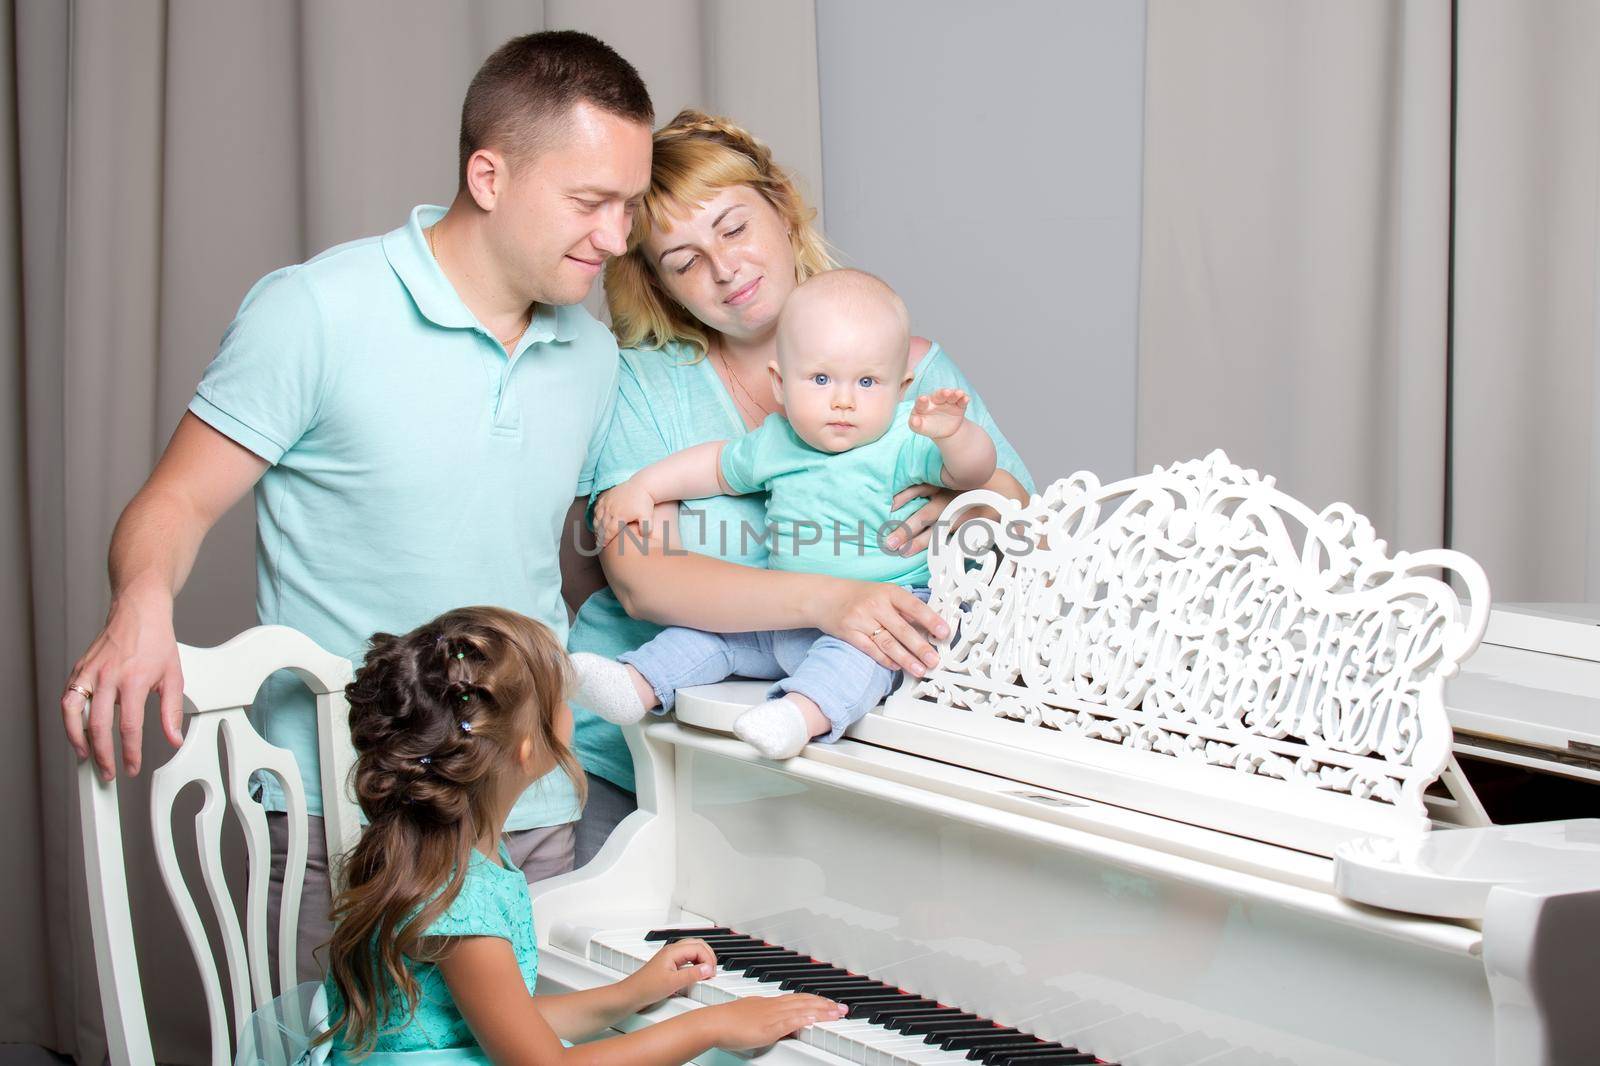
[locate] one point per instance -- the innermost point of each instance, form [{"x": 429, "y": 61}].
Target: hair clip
[
  {"x": 466, "y": 726},
  {"x": 425, "y": 760},
  {"x": 461, "y": 655}
]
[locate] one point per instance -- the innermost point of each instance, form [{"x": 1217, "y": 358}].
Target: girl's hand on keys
[
  {"x": 761, "y": 1020},
  {"x": 626, "y": 504},
  {"x": 939, "y": 413},
  {"x": 670, "y": 971}
]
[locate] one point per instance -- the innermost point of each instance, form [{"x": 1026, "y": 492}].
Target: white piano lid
[
  {"x": 1554, "y": 628},
  {"x": 1450, "y": 873},
  {"x": 1535, "y": 679},
  {"x": 1487, "y": 703}
]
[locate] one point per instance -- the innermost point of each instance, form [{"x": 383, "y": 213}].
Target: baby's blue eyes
[{"x": 823, "y": 379}]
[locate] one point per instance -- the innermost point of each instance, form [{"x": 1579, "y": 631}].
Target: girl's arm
[
  {"x": 656, "y": 579},
  {"x": 510, "y": 1026}
]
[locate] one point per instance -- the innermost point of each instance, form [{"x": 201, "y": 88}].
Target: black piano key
[
  {"x": 861, "y": 995},
  {"x": 853, "y": 981},
  {"x": 762, "y": 967},
  {"x": 981, "y": 1027},
  {"x": 896, "y": 995},
  {"x": 945, "y": 1021},
  {"x": 899, "y": 1024},
  {"x": 962, "y": 1041},
  {"x": 879, "y": 1015},
  {"x": 991, "y": 1056},
  {"x": 1069, "y": 1057},
  {"x": 744, "y": 947},
  {"x": 822, "y": 986},
  {"x": 746, "y": 957},
  {"x": 866, "y": 1009},
  {"x": 788, "y": 980},
  {"x": 796, "y": 969},
  {"x": 1020, "y": 1042},
  {"x": 679, "y": 934}
]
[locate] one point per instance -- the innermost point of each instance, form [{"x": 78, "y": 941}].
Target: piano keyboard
[{"x": 886, "y": 1026}]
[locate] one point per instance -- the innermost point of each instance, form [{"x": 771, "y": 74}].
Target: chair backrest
[{"x": 219, "y": 684}]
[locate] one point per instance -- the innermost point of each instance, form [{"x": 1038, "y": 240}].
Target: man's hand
[
  {"x": 200, "y": 475},
  {"x": 627, "y": 504},
  {"x": 939, "y": 413},
  {"x": 134, "y": 655}
]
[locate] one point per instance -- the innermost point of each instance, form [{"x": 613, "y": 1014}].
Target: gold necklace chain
[
  {"x": 527, "y": 316},
  {"x": 738, "y": 385}
]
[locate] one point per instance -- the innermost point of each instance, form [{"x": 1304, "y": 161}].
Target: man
[{"x": 416, "y": 413}]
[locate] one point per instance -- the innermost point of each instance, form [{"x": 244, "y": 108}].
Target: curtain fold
[
  {"x": 1295, "y": 248},
  {"x": 161, "y": 155},
  {"x": 1526, "y": 472}
]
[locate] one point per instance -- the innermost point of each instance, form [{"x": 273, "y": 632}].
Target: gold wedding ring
[{"x": 83, "y": 690}]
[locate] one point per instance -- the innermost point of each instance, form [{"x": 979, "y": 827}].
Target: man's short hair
[{"x": 522, "y": 94}]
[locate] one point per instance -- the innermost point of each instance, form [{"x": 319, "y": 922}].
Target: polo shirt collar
[{"x": 413, "y": 262}]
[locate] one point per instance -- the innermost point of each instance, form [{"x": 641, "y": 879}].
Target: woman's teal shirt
[{"x": 668, "y": 400}]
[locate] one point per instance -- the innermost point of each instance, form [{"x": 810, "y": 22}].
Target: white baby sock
[
  {"x": 776, "y": 729},
  {"x": 605, "y": 688}
]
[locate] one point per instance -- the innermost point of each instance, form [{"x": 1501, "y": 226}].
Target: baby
[{"x": 831, "y": 465}]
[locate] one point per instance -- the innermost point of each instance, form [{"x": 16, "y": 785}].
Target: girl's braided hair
[{"x": 438, "y": 717}]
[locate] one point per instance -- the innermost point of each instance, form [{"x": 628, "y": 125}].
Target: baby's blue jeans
[{"x": 844, "y": 683}]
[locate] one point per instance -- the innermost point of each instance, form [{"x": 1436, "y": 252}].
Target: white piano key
[
  {"x": 894, "y": 1052},
  {"x": 846, "y": 1034}
]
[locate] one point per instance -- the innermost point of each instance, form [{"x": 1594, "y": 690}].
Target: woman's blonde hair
[{"x": 696, "y": 156}]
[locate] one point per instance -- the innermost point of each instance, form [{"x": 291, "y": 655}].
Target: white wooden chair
[{"x": 219, "y": 684}]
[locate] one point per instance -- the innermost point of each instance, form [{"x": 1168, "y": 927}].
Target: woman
[{"x": 722, "y": 238}]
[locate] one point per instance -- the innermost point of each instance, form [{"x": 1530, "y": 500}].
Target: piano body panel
[
  {"x": 1069, "y": 946},
  {"x": 631, "y": 874},
  {"x": 1543, "y": 977}
]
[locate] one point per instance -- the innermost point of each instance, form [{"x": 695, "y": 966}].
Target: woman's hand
[
  {"x": 757, "y": 1021},
  {"x": 670, "y": 971},
  {"x": 916, "y": 532},
  {"x": 627, "y": 504},
  {"x": 885, "y": 621}
]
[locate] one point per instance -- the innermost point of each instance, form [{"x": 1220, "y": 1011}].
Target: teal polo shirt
[{"x": 415, "y": 465}]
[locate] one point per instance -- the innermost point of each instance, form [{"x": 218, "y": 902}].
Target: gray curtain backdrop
[
  {"x": 1296, "y": 259},
  {"x": 159, "y": 158},
  {"x": 1526, "y": 471},
  {"x": 1294, "y": 275}
]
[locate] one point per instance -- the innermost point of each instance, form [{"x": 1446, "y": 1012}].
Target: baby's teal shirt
[{"x": 828, "y": 512}]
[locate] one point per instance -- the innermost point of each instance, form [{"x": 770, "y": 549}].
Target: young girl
[{"x": 433, "y": 949}]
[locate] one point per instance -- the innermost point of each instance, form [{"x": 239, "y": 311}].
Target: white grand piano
[{"x": 1184, "y": 789}]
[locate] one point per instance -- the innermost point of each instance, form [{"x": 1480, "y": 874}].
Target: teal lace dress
[{"x": 493, "y": 902}]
